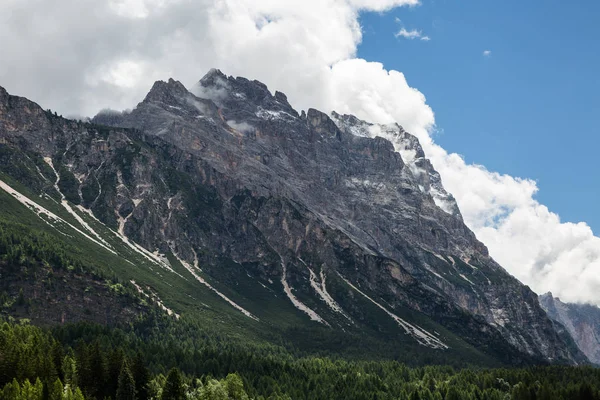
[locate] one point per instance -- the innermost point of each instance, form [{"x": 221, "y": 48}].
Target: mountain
[
  {"x": 582, "y": 322},
  {"x": 226, "y": 205}
]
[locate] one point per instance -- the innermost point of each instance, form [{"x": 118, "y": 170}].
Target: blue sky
[{"x": 530, "y": 109}]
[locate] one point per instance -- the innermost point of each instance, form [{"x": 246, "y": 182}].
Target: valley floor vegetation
[{"x": 156, "y": 358}]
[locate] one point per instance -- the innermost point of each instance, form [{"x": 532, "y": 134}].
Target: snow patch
[
  {"x": 428, "y": 268},
  {"x": 421, "y": 335},
  {"x": 154, "y": 297},
  {"x": 466, "y": 279},
  {"x": 196, "y": 262},
  {"x": 440, "y": 257},
  {"x": 467, "y": 260},
  {"x": 70, "y": 210},
  {"x": 273, "y": 115},
  {"x": 321, "y": 289},
  {"x": 297, "y": 303},
  {"x": 152, "y": 257},
  {"x": 39, "y": 210},
  {"x": 208, "y": 285}
]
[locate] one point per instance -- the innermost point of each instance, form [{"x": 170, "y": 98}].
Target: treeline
[
  {"x": 34, "y": 254},
  {"x": 92, "y": 362},
  {"x": 22, "y": 247},
  {"x": 35, "y": 366}
]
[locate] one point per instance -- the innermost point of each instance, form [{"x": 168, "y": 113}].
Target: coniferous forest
[{"x": 155, "y": 359}]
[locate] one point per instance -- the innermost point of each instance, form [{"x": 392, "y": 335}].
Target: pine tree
[
  {"x": 126, "y": 387},
  {"x": 585, "y": 392},
  {"x": 12, "y": 391},
  {"x": 214, "y": 390},
  {"x": 521, "y": 392},
  {"x": 55, "y": 391},
  {"x": 141, "y": 376},
  {"x": 69, "y": 370},
  {"x": 173, "y": 389},
  {"x": 97, "y": 368},
  {"x": 453, "y": 394},
  {"x": 82, "y": 362},
  {"x": 115, "y": 368},
  {"x": 235, "y": 387},
  {"x": 57, "y": 359}
]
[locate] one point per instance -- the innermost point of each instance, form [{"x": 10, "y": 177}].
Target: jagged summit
[
  {"x": 240, "y": 93},
  {"x": 211, "y": 75},
  {"x": 426, "y": 177},
  {"x": 166, "y": 91},
  {"x": 333, "y": 221}
]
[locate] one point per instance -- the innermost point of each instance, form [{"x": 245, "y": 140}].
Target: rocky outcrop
[
  {"x": 332, "y": 212},
  {"x": 383, "y": 196},
  {"x": 581, "y": 321}
]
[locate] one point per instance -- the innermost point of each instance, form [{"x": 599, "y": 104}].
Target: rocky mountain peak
[
  {"x": 212, "y": 76},
  {"x": 321, "y": 123},
  {"x": 3, "y": 95},
  {"x": 293, "y": 202},
  {"x": 240, "y": 93},
  {"x": 166, "y": 92},
  {"x": 423, "y": 175}
]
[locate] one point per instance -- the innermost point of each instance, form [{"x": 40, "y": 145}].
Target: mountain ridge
[
  {"x": 243, "y": 177},
  {"x": 581, "y": 321}
]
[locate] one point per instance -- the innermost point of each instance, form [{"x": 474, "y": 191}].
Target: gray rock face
[
  {"x": 387, "y": 203},
  {"x": 230, "y": 171},
  {"x": 582, "y": 321}
]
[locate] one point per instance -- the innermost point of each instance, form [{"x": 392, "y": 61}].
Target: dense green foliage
[
  {"x": 23, "y": 247},
  {"x": 35, "y": 262},
  {"x": 82, "y": 361}
]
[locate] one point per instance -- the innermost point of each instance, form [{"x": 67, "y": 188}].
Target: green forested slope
[{"x": 155, "y": 359}]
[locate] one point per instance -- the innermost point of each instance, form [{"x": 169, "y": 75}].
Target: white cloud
[
  {"x": 80, "y": 56},
  {"x": 487, "y": 53},
  {"x": 412, "y": 34}
]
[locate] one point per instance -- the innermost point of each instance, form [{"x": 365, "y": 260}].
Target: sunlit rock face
[
  {"x": 582, "y": 321},
  {"x": 328, "y": 208}
]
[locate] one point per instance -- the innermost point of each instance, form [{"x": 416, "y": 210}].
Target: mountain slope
[
  {"x": 582, "y": 322},
  {"x": 236, "y": 208}
]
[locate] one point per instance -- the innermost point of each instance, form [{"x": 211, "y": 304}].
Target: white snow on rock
[
  {"x": 407, "y": 146},
  {"x": 318, "y": 284},
  {"x": 152, "y": 257},
  {"x": 297, "y": 303},
  {"x": 466, "y": 279},
  {"x": 65, "y": 204},
  {"x": 39, "y": 210},
  {"x": 430, "y": 269},
  {"x": 273, "y": 115},
  {"x": 208, "y": 285},
  {"x": 421, "y": 335},
  {"x": 154, "y": 297}
]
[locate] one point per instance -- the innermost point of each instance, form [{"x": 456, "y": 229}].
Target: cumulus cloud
[
  {"x": 487, "y": 53},
  {"x": 412, "y": 34},
  {"x": 80, "y": 56}
]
